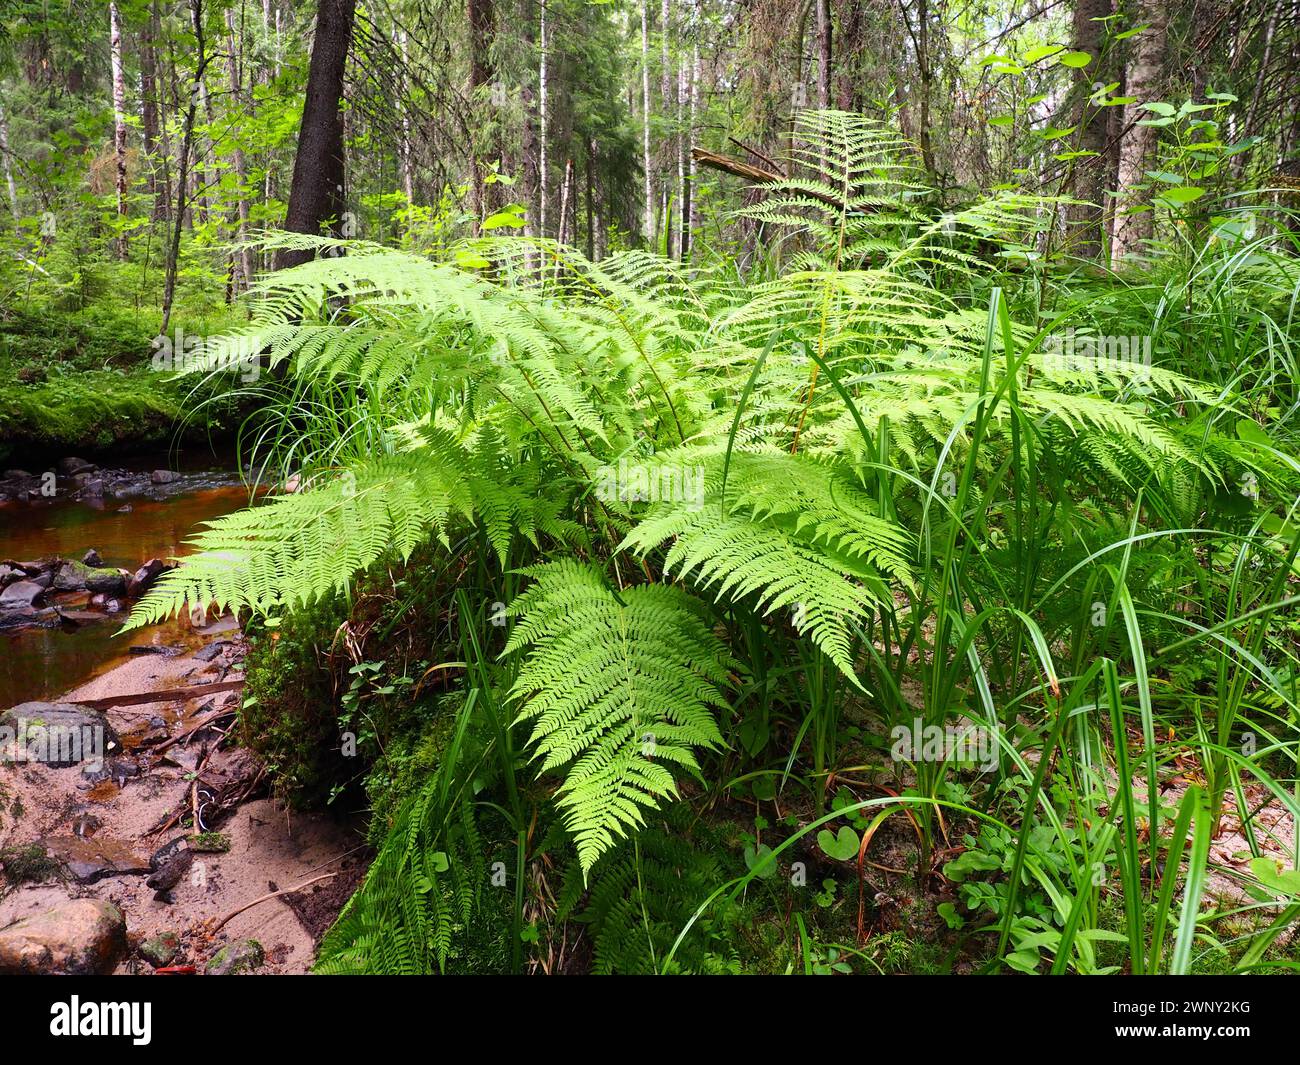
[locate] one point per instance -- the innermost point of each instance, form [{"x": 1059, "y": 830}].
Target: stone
[
  {"x": 235, "y": 958},
  {"x": 8, "y": 575},
  {"x": 72, "y": 465},
  {"x": 170, "y": 873},
  {"x": 59, "y": 735},
  {"x": 22, "y": 593},
  {"x": 164, "y": 476},
  {"x": 208, "y": 653},
  {"x": 107, "y": 581},
  {"x": 82, "y": 937},
  {"x": 86, "y": 825},
  {"x": 17, "y": 475},
  {"x": 144, "y": 577},
  {"x": 91, "y": 860},
  {"x": 92, "y": 559},
  {"x": 162, "y": 949},
  {"x": 166, "y": 853}
]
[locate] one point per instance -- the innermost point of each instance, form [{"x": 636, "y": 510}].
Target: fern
[
  {"x": 421, "y": 893},
  {"x": 619, "y": 687},
  {"x": 640, "y": 898},
  {"x": 793, "y": 532}
]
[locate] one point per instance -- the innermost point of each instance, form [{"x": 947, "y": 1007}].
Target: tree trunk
[
  {"x": 847, "y": 90},
  {"x": 1088, "y": 217},
  {"x": 7, "y": 163},
  {"x": 824, "y": 54},
  {"x": 162, "y": 190},
  {"x": 241, "y": 104},
  {"x": 689, "y": 136},
  {"x": 119, "y": 120},
  {"x": 543, "y": 177},
  {"x": 481, "y": 30},
  {"x": 649, "y": 222},
  {"x": 683, "y": 190},
  {"x": 1137, "y": 148},
  {"x": 666, "y": 100},
  {"x": 591, "y": 200},
  {"x": 149, "y": 113},
  {"x": 316, "y": 193},
  {"x": 187, "y": 134},
  {"x": 566, "y": 193}
]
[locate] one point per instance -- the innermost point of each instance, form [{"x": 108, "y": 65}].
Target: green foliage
[
  {"x": 619, "y": 686},
  {"x": 639, "y": 898}
]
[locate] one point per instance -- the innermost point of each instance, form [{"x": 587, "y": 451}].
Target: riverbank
[
  {"x": 84, "y": 382},
  {"x": 146, "y": 855}
]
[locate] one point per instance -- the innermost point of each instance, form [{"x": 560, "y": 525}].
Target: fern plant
[
  {"x": 619, "y": 686},
  {"x": 814, "y": 415}
]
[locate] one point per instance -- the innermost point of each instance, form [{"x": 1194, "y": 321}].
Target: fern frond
[{"x": 619, "y": 688}]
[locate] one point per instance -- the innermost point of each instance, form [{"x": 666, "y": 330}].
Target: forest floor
[{"x": 80, "y": 834}]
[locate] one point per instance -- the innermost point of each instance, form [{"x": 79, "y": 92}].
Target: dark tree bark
[
  {"x": 187, "y": 135},
  {"x": 119, "y": 120},
  {"x": 1137, "y": 146},
  {"x": 149, "y": 115},
  {"x": 482, "y": 27},
  {"x": 316, "y": 194},
  {"x": 1088, "y": 218},
  {"x": 824, "y": 54},
  {"x": 848, "y": 91}
]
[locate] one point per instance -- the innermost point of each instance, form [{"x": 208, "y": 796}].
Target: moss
[
  {"x": 210, "y": 843},
  {"x": 28, "y": 865},
  {"x": 83, "y": 383},
  {"x": 290, "y": 713}
]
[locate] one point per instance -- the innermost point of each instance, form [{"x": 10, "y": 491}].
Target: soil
[{"x": 106, "y": 827}]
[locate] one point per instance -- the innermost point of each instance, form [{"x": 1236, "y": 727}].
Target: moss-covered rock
[{"x": 235, "y": 959}]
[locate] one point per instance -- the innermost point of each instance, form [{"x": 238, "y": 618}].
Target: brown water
[{"x": 43, "y": 663}]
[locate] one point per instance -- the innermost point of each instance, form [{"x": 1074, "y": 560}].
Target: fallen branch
[
  {"x": 167, "y": 695},
  {"x": 265, "y": 898},
  {"x": 757, "y": 174}
]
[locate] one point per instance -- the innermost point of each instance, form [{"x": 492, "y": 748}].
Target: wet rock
[
  {"x": 113, "y": 606},
  {"x": 164, "y": 476},
  {"x": 90, "y": 860},
  {"x": 8, "y": 575},
  {"x": 59, "y": 735},
  {"x": 107, "y": 581},
  {"x": 77, "y": 618},
  {"x": 171, "y": 873},
  {"x": 118, "y": 770},
  {"x": 89, "y": 485},
  {"x": 166, "y": 853},
  {"x": 233, "y": 959},
  {"x": 208, "y": 653},
  {"x": 82, "y": 937},
  {"x": 72, "y": 465},
  {"x": 22, "y": 593},
  {"x": 70, "y": 578},
  {"x": 19, "y": 616},
  {"x": 145, "y": 576},
  {"x": 125, "y": 509},
  {"x": 154, "y": 649},
  {"x": 162, "y": 949},
  {"x": 91, "y": 558},
  {"x": 17, "y": 475},
  {"x": 86, "y": 825}
]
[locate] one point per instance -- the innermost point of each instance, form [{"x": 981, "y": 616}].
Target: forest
[{"x": 630, "y": 487}]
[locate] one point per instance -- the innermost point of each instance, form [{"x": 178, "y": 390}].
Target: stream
[{"x": 39, "y": 662}]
